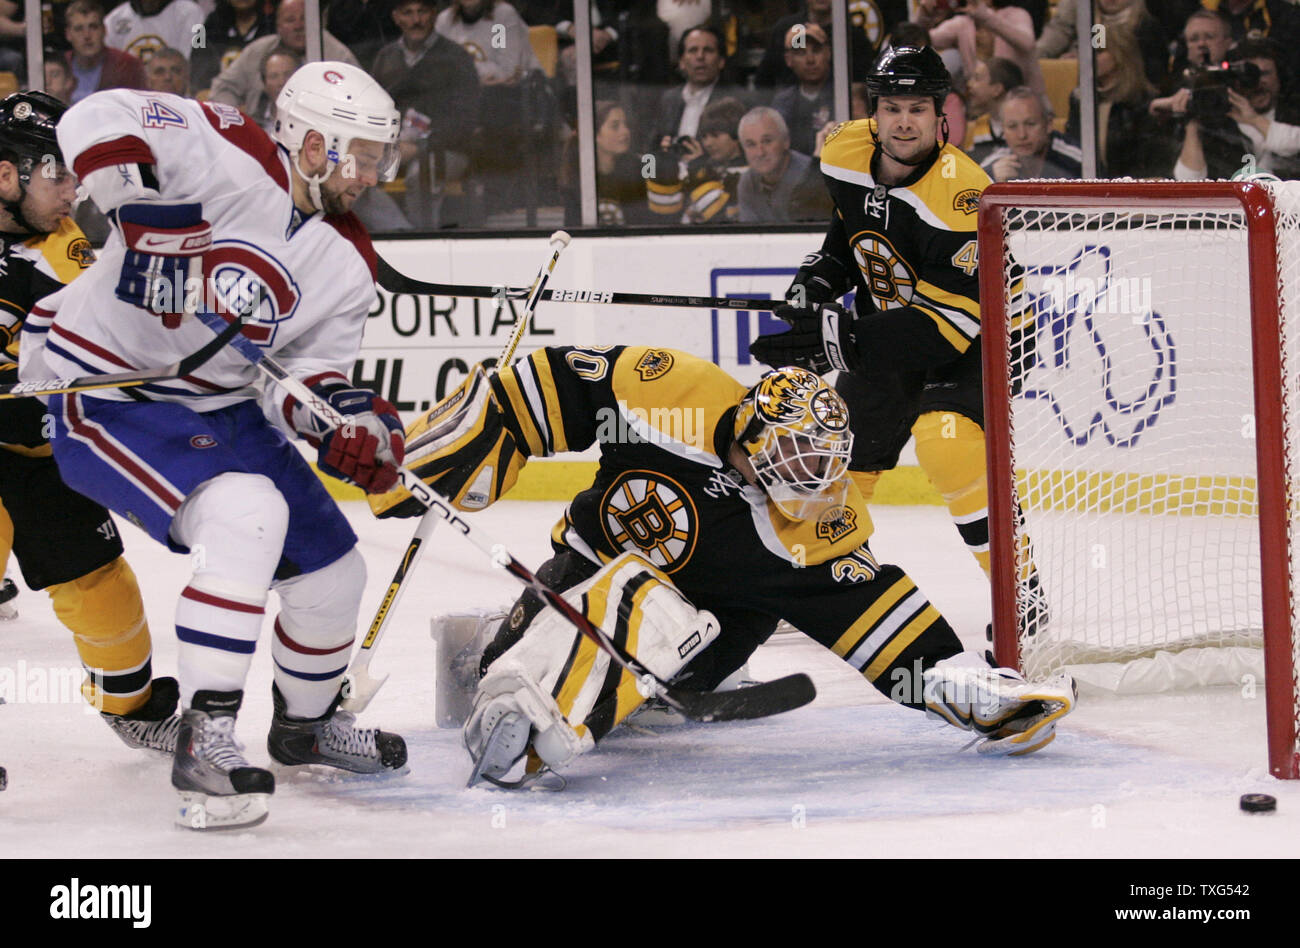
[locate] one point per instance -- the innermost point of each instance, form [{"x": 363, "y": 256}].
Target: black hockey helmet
[
  {"x": 27, "y": 139},
  {"x": 909, "y": 70}
]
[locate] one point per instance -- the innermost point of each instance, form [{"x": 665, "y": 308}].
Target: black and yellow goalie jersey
[
  {"x": 664, "y": 423},
  {"x": 30, "y": 269},
  {"x": 910, "y": 248}
]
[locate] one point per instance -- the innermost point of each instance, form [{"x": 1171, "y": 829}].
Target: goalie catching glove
[
  {"x": 1012, "y": 716},
  {"x": 367, "y": 449},
  {"x": 165, "y": 244},
  {"x": 463, "y": 448}
]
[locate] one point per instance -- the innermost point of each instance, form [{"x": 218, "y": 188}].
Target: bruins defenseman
[
  {"x": 700, "y": 481},
  {"x": 904, "y": 236},
  {"x": 65, "y": 543}
]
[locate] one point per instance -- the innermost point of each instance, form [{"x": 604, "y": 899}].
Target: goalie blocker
[{"x": 706, "y": 481}]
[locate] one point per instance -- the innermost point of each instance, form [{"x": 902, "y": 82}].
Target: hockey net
[{"x": 1142, "y": 359}]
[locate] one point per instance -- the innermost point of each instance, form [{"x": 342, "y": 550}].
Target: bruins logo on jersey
[
  {"x": 967, "y": 201},
  {"x": 836, "y": 522},
  {"x": 650, "y": 514},
  {"x": 654, "y": 364},
  {"x": 81, "y": 253},
  {"x": 890, "y": 280}
]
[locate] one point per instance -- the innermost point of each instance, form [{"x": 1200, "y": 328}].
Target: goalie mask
[{"x": 794, "y": 429}]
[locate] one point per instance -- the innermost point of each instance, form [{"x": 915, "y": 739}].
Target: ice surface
[{"x": 850, "y": 775}]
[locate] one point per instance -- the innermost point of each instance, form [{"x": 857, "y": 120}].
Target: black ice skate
[
  {"x": 154, "y": 725},
  {"x": 332, "y": 740},
  {"x": 218, "y": 788}
]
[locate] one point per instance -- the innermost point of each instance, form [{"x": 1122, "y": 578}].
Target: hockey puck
[{"x": 1258, "y": 803}]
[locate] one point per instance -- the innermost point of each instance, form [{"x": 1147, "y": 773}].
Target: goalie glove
[
  {"x": 463, "y": 448},
  {"x": 165, "y": 244},
  {"x": 1012, "y": 716},
  {"x": 819, "y": 339},
  {"x": 366, "y": 450}
]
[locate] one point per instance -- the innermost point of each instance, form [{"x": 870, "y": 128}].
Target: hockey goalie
[{"x": 716, "y": 512}]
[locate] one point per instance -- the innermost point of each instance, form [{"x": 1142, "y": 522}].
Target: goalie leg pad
[
  {"x": 462, "y": 447},
  {"x": 1012, "y": 716},
  {"x": 562, "y": 681}
]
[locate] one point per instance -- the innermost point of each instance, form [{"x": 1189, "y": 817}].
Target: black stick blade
[{"x": 744, "y": 704}]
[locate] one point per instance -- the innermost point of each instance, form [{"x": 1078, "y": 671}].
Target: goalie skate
[
  {"x": 153, "y": 726},
  {"x": 218, "y": 788},
  {"x": 333, "y": 741}
]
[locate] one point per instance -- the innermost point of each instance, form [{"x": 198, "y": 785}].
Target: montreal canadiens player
[{"x": 203, "y": 463}]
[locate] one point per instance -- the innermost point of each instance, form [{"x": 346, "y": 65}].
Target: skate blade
[
  {"x": 201, "y": 811},
  {"x": 331, "y": 773}
]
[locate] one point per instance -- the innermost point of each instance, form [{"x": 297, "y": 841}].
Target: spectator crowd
[{"x": 708, "y": 111}]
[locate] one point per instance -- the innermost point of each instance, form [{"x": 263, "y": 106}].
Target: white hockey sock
[
  {"x": 314, "y": 633},
  {"x": 234, "y": 526}
]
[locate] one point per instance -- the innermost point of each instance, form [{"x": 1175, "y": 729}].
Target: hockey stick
[
  {"x": 771, "y": 697},
  {"x": 359, "y": 686},
  {"x": 87, "y": 383},
  {"x": 395, "y": 282}
]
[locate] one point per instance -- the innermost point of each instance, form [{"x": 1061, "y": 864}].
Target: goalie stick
[
  {"x": 770, "y": 697},
  {"x": 359, "y": 686},
  {"x": 87, "y": 383},
  {"x": 395, "y": 282}
]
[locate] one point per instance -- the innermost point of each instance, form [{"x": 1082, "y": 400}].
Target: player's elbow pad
[
  {"x": 111, "y": 187},
  {"x": 462, "y": 448}
]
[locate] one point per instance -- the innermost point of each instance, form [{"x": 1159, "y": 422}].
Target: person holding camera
[
  {"x": 1238, "y": 119},
  {"x": 697, "y": 181}
]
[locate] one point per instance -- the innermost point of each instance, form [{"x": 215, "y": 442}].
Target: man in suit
[{"x": 700, "y": 59}]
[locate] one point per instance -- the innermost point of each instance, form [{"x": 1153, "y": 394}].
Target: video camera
[{"x": 1210, "y": 85}]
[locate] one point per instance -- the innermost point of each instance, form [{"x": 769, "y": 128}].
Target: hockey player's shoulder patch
[
  {"x": 848, "y": 149},
  {"x": 680, "y": 396},
  {"x": 65, "y": 253},
  {"x": 950, "y": 191},
  {"x": 654, "y": 364}
]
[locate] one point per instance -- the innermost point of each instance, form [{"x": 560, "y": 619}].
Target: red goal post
[{"x": 1127, "y": 497}]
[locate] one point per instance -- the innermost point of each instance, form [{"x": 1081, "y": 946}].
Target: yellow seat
[
  {"x": 546, "y": 44},
  {"x": 1061, "y": 77}
]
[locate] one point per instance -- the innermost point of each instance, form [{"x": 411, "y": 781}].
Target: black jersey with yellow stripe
[
  {"x": 663, "y": 420},
  {"x": 32, "y": 268},
  {"x": 911, "y": 244}
]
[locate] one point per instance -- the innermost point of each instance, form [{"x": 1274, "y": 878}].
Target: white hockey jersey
[
  {"x": 318, "y": 272},
  {"x": 174, "y": 26}
]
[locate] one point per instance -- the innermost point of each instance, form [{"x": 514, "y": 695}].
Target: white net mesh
[{"x": 1133, "y": 434}]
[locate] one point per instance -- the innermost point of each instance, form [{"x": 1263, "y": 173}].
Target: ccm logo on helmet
[{"x": 333, "y": 77}]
